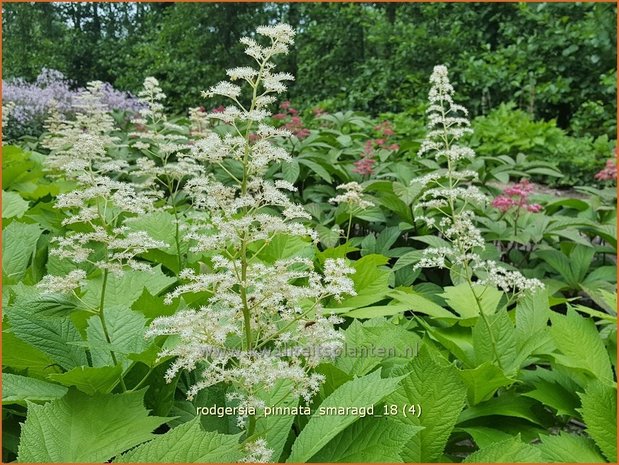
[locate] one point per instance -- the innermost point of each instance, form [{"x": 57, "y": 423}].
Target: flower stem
[{"x": 104, "y": 326}]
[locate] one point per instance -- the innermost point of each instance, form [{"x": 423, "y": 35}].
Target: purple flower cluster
[{"x": 33, "y": 101}]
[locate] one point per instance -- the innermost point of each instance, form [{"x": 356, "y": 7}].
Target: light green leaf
[
  {"x": 187, "y": 443},
  {"x": 436, "y": 386},
  {"x": 572, "y": 332},
  {"x": 483, "y": 381},
  {"x": 13, "y": 205},
  {"x": 508, "y": 404},
  {"x": 371, "y": 282},
  {"x": 125, "y": 329},
  {"x": 126, "y": 289},
  {"x": 321, "y": 428},
  {"x": 159, "y": 225},
  {"x": 569, "y": 448},
  {"x": 51, "y": 336},
  {"x": 276, "y": 428},
  {"x": 485, "y": 436},
  {"x": 420, "y": 304},
  {"x": 369, "y": 344},
  {"x": 494, "y": 341},
  {"x": 509, "y": 451},
  {"x": 368, "y": 440},
  {"x": 25, "y": 358},
  {"x": 283, "y": 246},
  {"x": 467, "y": 301},
  {"x": 81, "y": 428},
  {"x": 18, "y": 389},
  {"x": 19, "y": 241},
  {"x": 90, "y": 379},
  {"x": 599, "y": 412}
]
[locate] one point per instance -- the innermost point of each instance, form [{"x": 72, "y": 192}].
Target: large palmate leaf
[
  {"x": 321, "y": 428},
  {"x": 436, "y": 386},
  {"x": 187, "y": 443},
  {"x": 80, "y": 428},
  {"x": 368, "y": 440},
  {"x": 599, "y": 411}
]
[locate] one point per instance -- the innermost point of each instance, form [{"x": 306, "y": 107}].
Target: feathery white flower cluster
[
  {"x": 262, "y": 319},
  {"x": 166, "y": 156},
  {"x": 446, "y": 202},
  {"x": 257, "y": 452},
  {"x": 352, "y": 196},
  {"x": 101, "y": 204}
]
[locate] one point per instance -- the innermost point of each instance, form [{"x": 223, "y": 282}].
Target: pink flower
[
  {"x": 318, "y": 111},
  {"x": 285, "y": 105},
  {"x": 302, "y": 133},
  {"x": 503, "y": 203},
  {"x": 364, "y": 166},
  {"x": 609, "y": 172},
  {"x": 522, "y": 189},
  {"x": 219, "y": 109},
  {"x": 385, "y": 128},
  {"x": 534, "y": 208},
  {"x": 279, "y": 116},
  {"x": 394, "y": 147}
]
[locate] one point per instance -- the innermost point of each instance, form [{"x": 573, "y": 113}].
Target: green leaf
[
  {"x": 483, "y": 381},
  {"x": 81, "y": 428},
  {"x": 283, "y": 246},
  {"x": 572, "y": 332},
  {"x": 368, "y": 440},
  {"x": 485, "y": 436},
  {"x": 125, "y": 329},
  {"x": 494, "y": 340},
  {"x": 322, "y": 427},
  {"x": 599, "y": 412},
  {"x": 329, "y": 237},
  {"x": 511, "y": 450},
  {"x": 51, "y": 305},
  {"x": 159, "y": 225},
  {"x": 420, "y": 304},
  {"x": 369, "y": 344},
  {"x": 467, "y": 301},
  {"x": 90, "y": 379},
  {"x": 13, "y": 205},
  {"x": 51, "y": 336},
  {"x": 316, "y": 168},
  {"x": 23, "y": 357},
  {"x": 290, "y": 171},
  {"x": 508, "y": 405},
  {"x": 187, "y": 443},
  {"x": 19, "y": 241},
  {"x": 126, "y": 289},
  {"x": 18, "y": 389},
  {"x": 435, "y": 385},
  {"x": 569, "y": 448},
  {"x": 276, "y": 428},
  {"x": 371, "y": 282}
]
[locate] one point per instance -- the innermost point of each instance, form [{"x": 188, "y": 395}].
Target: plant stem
[
  {"x": 104, "y": 327},
  {"x": 349, "y": 225}
]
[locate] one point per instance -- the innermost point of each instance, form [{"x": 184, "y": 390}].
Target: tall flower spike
[
  {"x": 445, "y": 203},
  {"x": 262, "y": 321}
]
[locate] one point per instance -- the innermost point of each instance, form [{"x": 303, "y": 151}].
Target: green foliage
[{"x": 108, "y": 424}]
